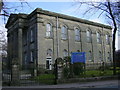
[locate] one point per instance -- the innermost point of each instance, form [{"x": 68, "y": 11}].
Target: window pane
[
  {"x": 32, "y": 56},
  {"x": 48, "y": 30},
  {"x": 88, "y": 36},
  {"x": 90, "y": 56},
  {"x": 107, "y": 39},
  {"x": 25, "y": 58},
  {"x": 64, "y": 32},
  {"x": 77, "y": 34},
  {"x": 48, "y": 34},
  {"x": 98, "y": 37},
  {"x": 100, "y": 56},
  {"x": 65, "y": 53},
  {"x": 48, "y": 27},
  {"x": 109, "y": 56},
  {"x": 31, "y": 33},
  {"x": 88, "y": 33},
  {"x": 49, "y": 52}
]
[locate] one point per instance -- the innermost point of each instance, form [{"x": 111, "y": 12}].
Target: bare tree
[
  {"x": 112, "y": 11},
  {"x": 1, "y": 5},
  {"x": 3, "y": 45},
  {"x": 5, "y": 9}
]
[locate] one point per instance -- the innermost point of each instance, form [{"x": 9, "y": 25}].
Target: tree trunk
[
  {"x": 114, "y": 34},
  {"x": 1, "y": 5}
]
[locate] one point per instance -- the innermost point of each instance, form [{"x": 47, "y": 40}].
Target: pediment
[{"x": 11, "y": 19}]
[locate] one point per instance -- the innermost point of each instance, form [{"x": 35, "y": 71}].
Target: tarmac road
[{"x": 96, "y": 85}]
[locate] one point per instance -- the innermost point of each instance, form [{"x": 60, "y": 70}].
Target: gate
[{"x": 27, "y": 76}]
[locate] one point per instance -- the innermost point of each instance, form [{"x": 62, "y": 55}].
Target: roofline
[
  {"x": 49, "y": 13},
  {"x": 16, "y": 16}
]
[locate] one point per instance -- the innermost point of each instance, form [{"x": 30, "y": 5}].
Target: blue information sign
[{"x": 78, "y": 57}]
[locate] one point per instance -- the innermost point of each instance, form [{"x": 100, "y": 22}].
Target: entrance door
[{"x": 49, "y": 63}]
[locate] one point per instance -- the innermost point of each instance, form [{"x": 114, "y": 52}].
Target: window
[
  {"x": 88, "y": 36},
  {"x": 27, "y": 36},
  {"x": 107, "y": 39},
  {"x": 109, "y": 56},
  {"x": 31, "y": 56},
  {"x": 64, "y": 33},
  {"x": 65, "y": 53},
  {"x": 49, "y": 52},
  {"x": 49, "y": 59},
  {"x": 90, "y": 56},
  {"x": 100, "y": 56},
  {"x": 48, "y": 30},
  {"x": 24, "y": 37},
  {"x": 31, "y": 34},
  {"x": 25, "y": 58},
  {"x": 77, "y": 34},
  {"x": 98, "y": 37}
]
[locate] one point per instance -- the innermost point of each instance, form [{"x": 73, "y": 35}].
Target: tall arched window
[
  {"x": 88, "y": 33},
  {"x": 49, "y": 52},
  {"x": 77, "y": 34},
  {"x": 64, "y": 32},
  {"x": 25, "y": 58},
  {"x": 48, "y": 30},
  {"x": 107, "y": 39},
  {"x": 109, "y": 56},
  {"x": 100, "y": 56},
  {"x": 32, "y": 56},
  {"x": 90, "y": 56},
  {"x": 65, "y": 53},
  {"x": 31, "y": 34},
  {"x": 98, "y": 37}
]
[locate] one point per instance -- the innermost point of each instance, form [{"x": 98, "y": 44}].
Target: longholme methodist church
[{"x": 42, "y": 36}]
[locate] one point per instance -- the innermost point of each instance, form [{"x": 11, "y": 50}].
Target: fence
[
  {"x": 79, "y": 70},
  {"x": 28, "y": 76}
]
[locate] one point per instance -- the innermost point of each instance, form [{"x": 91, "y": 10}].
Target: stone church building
[{"x": 42, "y": 36}]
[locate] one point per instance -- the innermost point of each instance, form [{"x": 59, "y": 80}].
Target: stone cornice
[
  {"x": 14, "y": 17},
  {"x": 45, "y": 12}
]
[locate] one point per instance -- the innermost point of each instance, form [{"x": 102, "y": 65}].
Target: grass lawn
[
  {"x": 95, "y": 73},
  {"x": 45, "y": 78}
]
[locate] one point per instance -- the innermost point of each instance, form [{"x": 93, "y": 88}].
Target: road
[{"x": 107, "y": 85}]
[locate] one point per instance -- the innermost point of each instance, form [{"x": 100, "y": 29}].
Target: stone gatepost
[
  {"x": 15, "y": 75},
  {"x": 60, "y": 69}
]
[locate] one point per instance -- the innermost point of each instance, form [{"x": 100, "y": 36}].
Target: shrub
[
  {"x": 104, "y": 67},
  {"x": 78, "y": 68},
  {"x": 41, "y": 71},
  {"x": 67, "y": 59},
  {"x": 60, "y": 61},
  {"x": 66, "y": 72}
]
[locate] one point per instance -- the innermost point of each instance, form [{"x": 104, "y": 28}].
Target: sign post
[{"x": 78, "y": 57}]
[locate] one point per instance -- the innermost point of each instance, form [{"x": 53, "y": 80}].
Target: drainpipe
[
  {"x": 104, "y": 46},
  {"x": 92, "y": 34},
  {"x": 57, "y": 37},
  {"x": 68, "y": 42},
  {"x": 102, "y": 43},
  {"x": 81, "y": 39}
]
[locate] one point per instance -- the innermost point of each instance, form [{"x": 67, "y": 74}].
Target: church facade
[{"x": 42, "y": 36}]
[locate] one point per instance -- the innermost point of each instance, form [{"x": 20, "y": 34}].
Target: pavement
[{"x": 109, "y": 84}]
